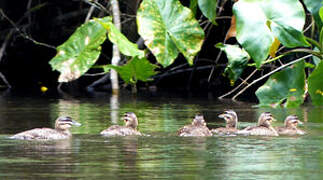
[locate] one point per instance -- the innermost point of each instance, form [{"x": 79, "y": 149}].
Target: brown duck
[
  {"x": 61, "y": 131},
  {"x": 130, "y": 128},
  {"x": 231, "y": 120},
  {"x": 197, "y": 128},
  {"x": 290, "y": 126},
  {"x": 263, "y": 127}
]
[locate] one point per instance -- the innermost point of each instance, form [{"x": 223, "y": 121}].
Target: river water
[{"x": 160, "y": 154}]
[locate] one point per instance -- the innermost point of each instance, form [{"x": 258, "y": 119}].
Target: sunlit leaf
[
  {"x": 274, "y": 47},
  {"x": 232, "y": 32},
  {"x": 135, "y": 69},
  {"x": 75, "y": 56},
  {"x": 193, "y": 6},
  {"x": 237, "y": 60},
  {"x": 124, "y": 45},
  {"x": 288, "y": 85},
  {"x": 315, "y": 85},
  {"x": 208, "y": 8},
  {"x": 259, "y": 22},
  {"x": 315, "y": 6},
  {"x": 169, "y": 28}
]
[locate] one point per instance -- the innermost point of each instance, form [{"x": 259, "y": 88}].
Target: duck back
[
  {"x": 41, "y": 134},
  {"x": 289, "y": 131},
  {"x": 224, "y": 131},
  {"x": 258, "y": 131},
  {"x": 191, "y": 130},
  {"x": 117, "y": 130}
]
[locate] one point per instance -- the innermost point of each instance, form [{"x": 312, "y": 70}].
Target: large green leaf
[
  {"x": 75, "y": 56},
  {"x": 124, "y": 45},
  {"x": 288, "y": 84},
  {"x": 314, "y": 7},
  {"x": 135, "y": 69},
  {"x": 315, "y": 85},
  {"x": 258, "y": 22},
  {"x": 208, "y": 8},
  {"x": 169, "y": 28},
  {"x": 237, "y": 60}
]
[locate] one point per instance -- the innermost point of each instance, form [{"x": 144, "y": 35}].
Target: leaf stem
[{"x": 270, "y": 73}]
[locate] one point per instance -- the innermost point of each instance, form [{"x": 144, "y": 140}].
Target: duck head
[
  {"x": 230, "y": 118},
  {"x": 292, "y": 121},
  {"x": 65, "y": 122},
  {"x": 199, "y": 120},
  {"x": 265, "y": 119},
  {"x": 131, "y": 120}
]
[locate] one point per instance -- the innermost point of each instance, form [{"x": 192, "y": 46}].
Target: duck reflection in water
[
  {"x": 130, "y": 128},
  {"x": 290, "y": 126},
  {"x": 231, "y": 120},
  {"x": 197, "y": 128},
  {"x": 263, "y": 127},
  {"x": 61, "y": 131}
]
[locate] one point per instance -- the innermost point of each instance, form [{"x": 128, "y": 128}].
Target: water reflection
[{"x": 160, "y": 155}]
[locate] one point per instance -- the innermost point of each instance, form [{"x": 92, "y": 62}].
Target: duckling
[
  {"x": 231, "y": 120},
  {"x": 61, "y": 131},
  {"x": 290, "y": 127},
  {"x": 263, "y": 127},
  {"x": 197, "y": 128},
  {"x": 130, "y": 128}
]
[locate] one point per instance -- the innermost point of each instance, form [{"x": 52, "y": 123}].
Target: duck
[
  {"x": 61, "y": 131},
  {"x": 130, "y": 127},
  {"x": 290, "y": 126},
  {"x": 197, "y": 128},
  {"x": 231, "y": 120},
  {"x": 263, "y": 127}
]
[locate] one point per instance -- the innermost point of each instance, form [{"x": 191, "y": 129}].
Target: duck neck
[
  {"x": 231, "y": 125},
  {"x": 64, "y": 131}
]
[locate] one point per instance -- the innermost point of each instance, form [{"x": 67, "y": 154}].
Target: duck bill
[
  {"x": 221, "y": 116},
  {"x": 299, "y": 122},
  {"x": 76, "y": 123},
  {"x": 273, "y": 119}
]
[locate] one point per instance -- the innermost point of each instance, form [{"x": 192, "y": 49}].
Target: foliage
[
  {"x": 287, "y": 85},
  {"x": 315, "y": 85},
  {"x": 269, "y": 19},
  {"x": 136, "y": 69},
  {"x": 80, "y": 51},
  {"x": 237, "y": 60},
  {"x": 169, "y": 28}
]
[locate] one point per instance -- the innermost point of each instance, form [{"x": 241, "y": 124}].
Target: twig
[
  {"x": 270, "y": 73},
  {"x": 89, "y": 14},
  {"x": 4, "y": 44},
  {"x": 5, "y": 80},
  {"x": 236, "y": 88},
  {"x": 23, "y": 34}
]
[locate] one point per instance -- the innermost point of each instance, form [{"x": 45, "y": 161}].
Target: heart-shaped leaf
[
  {"x": 208, "y": 8},
  {"x": 259, "y": 22},
  {"x": 169, "y": 28}
]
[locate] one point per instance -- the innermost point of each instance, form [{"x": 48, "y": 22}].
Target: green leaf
[
  {"x": 169, "y": 28},
  {"x": 259, "y": 22},
  {"x": 315, "y": 7},
  {"x": 124, "y": 45},
  {"x": 193, "y": 6},
  {"x": 135, "y": 69},
  {"x": 208, "y": 8},
  {"x": 288, "y": 84},
  {"x": 237, "y": 60},
  {"x": 75, "y": 56},
  {"x": 315, "y": 85}
]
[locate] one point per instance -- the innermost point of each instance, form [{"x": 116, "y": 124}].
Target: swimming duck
[
  {"x": 263, "y": 127},
  {"x": 130, "y": 128},
  {"x": 197, "y": 128},
  {"x": 290, "y": 127},
  {"x": 231, "y": 120},
  {"x": 61, "y": 131}
]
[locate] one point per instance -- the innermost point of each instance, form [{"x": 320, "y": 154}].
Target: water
[{"x": 161, "y": 155}]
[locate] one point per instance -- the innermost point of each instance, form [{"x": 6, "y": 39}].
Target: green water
[{"x": 160, "y": 154}]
